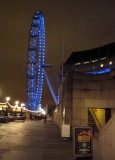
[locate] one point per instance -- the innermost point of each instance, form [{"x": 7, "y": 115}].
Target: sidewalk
[{"x": 33, "y": 140}]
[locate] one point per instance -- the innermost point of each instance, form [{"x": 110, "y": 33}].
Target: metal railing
[{"x": 95, "y": 118}]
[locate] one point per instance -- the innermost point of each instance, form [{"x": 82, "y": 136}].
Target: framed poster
[{"x": 83, "y": 141}]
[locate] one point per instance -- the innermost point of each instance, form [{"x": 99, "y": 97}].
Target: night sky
[{"x": 71, "y": 25}]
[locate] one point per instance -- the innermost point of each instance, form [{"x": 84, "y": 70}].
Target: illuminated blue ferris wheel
[{"x": 35, "y": 63}]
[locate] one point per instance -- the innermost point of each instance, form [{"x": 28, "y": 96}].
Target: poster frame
[{"x": 75, "y": 142}]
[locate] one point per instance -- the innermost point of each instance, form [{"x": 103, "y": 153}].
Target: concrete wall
[
  {"x": 79, "y": 92},
  {"x": 91, "y": 91},
  {"x": 104, "y": 145},
  {"x": 94, "y": 90}
]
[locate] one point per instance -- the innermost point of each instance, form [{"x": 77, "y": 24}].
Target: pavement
[{"x": 33, "y": 140}]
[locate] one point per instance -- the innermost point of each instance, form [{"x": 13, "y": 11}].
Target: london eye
[
  {"x": 35, "y": 61},
  {"x": 36, "y": 64}
]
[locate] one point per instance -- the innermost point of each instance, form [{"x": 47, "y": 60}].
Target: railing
[{"x": 95, "y": 118}]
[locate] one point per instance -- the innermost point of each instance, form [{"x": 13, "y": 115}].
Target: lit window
[
  {"x": 86, "y": 62},
  {"x": 95, "y": 60},
  {"x": 77, "y": 63}
]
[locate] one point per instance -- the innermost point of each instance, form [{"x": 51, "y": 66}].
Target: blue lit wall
[{"x": 106, "y": 70}]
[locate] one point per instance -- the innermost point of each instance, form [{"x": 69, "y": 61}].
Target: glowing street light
[
  {"x": 7, "y": 99},
  {"x": 101, "y": 64},
  {"x": 22, "y": 104},
  {"x": 43, "y": 112},
  {"x": 110, "y": 63},
  {"x": 17, "y": 102}
]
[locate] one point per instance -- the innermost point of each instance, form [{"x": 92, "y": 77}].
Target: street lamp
[
  {"x": 17, "y": 102},
  {"x": 7, "y": 99},
  {"x": 22, "y": 104}
]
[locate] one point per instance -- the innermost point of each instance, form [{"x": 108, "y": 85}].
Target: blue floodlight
[{"x": 106, "y": 70}]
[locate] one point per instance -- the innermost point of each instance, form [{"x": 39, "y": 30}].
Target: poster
[
  {"x": 83, "y": 141},
  {"x": 65, "y": 130}
]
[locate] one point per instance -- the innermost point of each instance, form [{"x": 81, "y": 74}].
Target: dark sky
[{"x": 80, "y": 24}]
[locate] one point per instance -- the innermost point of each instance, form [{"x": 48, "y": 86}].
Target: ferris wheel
[
  {"x": 36, "y": 64},
  {"x": 35, "y": 61}
]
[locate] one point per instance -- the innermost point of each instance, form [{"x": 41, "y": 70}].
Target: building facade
[{"x": 88, "y": 91}]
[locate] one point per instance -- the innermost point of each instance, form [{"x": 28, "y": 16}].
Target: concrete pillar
[
  {"x": 80, "y": 116},
  {"x": 68, "y": 115}
]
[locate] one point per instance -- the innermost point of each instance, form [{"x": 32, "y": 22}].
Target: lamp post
[
  {"x": 22, "y": 105},
  {"x": 7, "y": 100},
  {"x": 17, "y": 102},
  {"x": 16, "y": 105}
]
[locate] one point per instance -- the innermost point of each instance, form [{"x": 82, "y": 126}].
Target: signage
[
  {"x": 65, "y": 130},
  {"x": 83, "y": 141}
]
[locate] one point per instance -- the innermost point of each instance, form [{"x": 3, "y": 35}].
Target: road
[{"x": 33, "y": 140}]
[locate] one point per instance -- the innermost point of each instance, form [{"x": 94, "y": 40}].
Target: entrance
[{"x": 107, "y": 114}]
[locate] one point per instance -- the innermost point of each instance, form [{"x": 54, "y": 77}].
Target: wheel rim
[{"x": 35, "y": 61}]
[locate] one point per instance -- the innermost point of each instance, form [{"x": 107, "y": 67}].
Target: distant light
[
  {"x": 22, "y": 104},
  {"x": 103, "y": 58},
  {"x": 77, "y": 63},
  {"x": 7, "y": 99},
  {"x": 43, "y": 112},
  {"x": 110, "y": 62},
  {"x": 101, "y": 65},
  {"x": 86, "y": 62},
  {"x": 95, "y": 60},
  {"x": 17, "y": 102}
]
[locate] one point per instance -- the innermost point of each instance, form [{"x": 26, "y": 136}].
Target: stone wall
[
  {"x": 104, "y": 144},
  {"x": 91, "y": 91},
  {"x": 81, "y": 92}
]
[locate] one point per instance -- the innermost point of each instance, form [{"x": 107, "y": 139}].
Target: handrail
[{"x": 96, "y": 118}]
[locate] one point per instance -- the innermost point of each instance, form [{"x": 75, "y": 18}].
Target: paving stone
[{"x": 33, "y": 140}]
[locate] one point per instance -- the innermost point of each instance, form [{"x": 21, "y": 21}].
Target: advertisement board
[
  {"x": 83, "y": 141},
  {"x": 65, "y": 132}
]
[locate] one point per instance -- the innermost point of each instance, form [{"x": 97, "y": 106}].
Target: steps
[{"x": 91, "y": 123}]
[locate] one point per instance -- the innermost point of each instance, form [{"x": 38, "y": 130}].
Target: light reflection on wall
[{"x": 106, "y": 70}]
